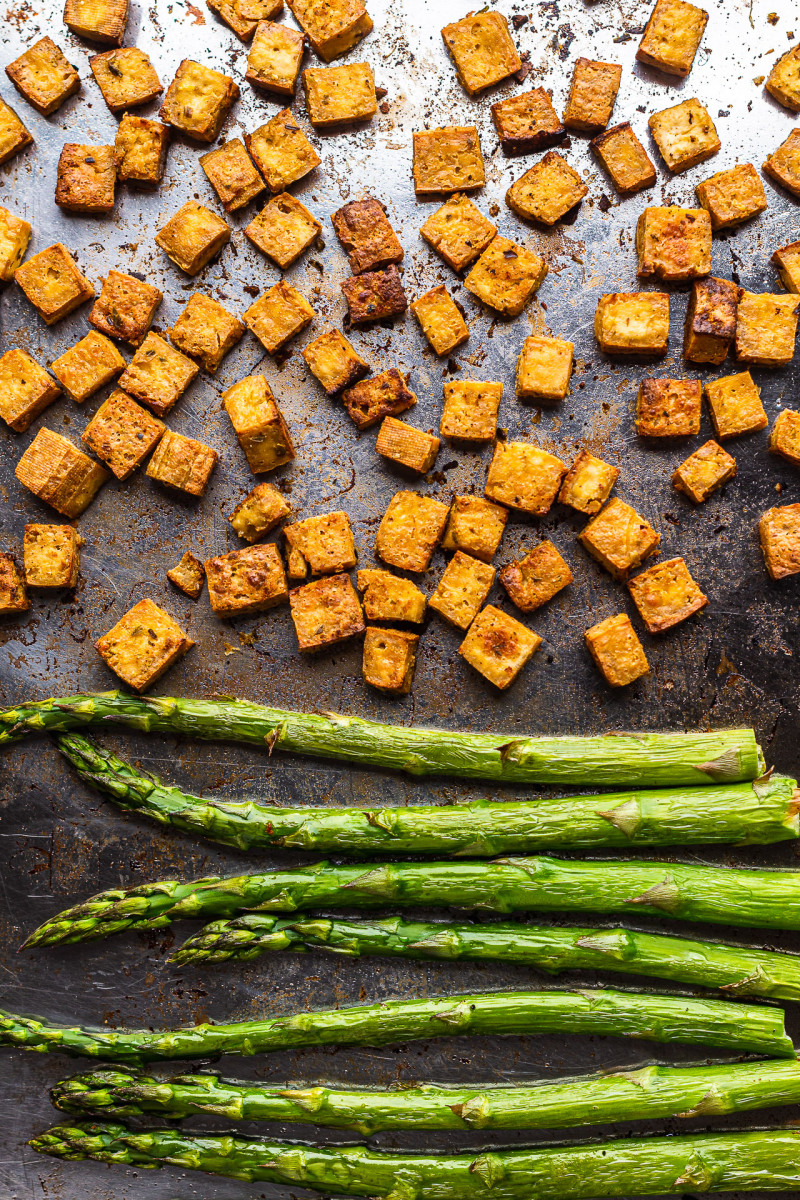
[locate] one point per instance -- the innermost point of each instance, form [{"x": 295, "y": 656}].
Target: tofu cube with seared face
[
  {"x": 51, "y": 556},
  {"x": 259, "y": 512},
  {"x": 193, "y": 236},
  {"x": 86, "y": 178},
  {"x": 198, "y": 100},
  {"x": 206, "y": 331},
  {"x": 498, "y": 646},
  {"x": 587, "y": 484},
  {"x": 506, "y": 276},
  {"x": 410, "y": 530},
  {"x": 25, "y": 389},
  {"x": 619, "y": 538},
  {"x": 784, "y": 438},
  {"x": 673, "y": 243},
  {"x": 704, "y": 471},
  {"x": 480, "y": 45},
  {"x": 685, "y": 135},
  {"x": 462, "y": 589},
  {"x": 470, "y": 409},
  {"x": 536, "y": 578},
  {"x": 122, "y": 434},
  {"x": 333, "y": 27},
  {"x": 390, "y": 657},
  {"x": 592, "y": 94},
  {"x": 158, "y": 375},
  {"x": 281, "y": 151},
  {"x": 475, "y": 526},
  {"x": 333, "y": 362},
  {"x": 544, "y": 368},
  {"x": 141, "y": 147},
  {"x": 735, "y": 404},
  {"x": 337, "y": 96},
  {"x": 374, "y": 296},
  {"x": 126, "y": 77},
  {"x": 632, "y": 322},
  {"x": 458, "y": 231},
  {"x": 125, "y": 307},
  {"x": 364, "y": 230},
  {"x": 527, "y": 123},
  {"x": 181, "y": 463},
  {"x": 243, "y": 16},
  {"x": 448, "y": 159},
  {"x": 232, "y": 175},
  {"x": 13, "y": 593},
  {"x": 783, "y": 165},
  {"x": 666, "y": 594},
  {"x": 524, "y": 477},
  {"x": 779, "y": 531},
  {"x": 388, "y": 597},
  {"x": 283, "y": 230},
  {"x": 407, "y": 446},
  {"x": 787, "y": 260},
  {"x": 766, "y": 327},
  {"x": 783, "y": 81},
  {"x": 325, "y": 543},
  {"x": 710, "y": 320},
  {"x": 547, "y": 191},
  {"x": 14, "y": 137},
  {"x": 258, "y": 424},
  {"x": 441, "y": 320},
  {"x": 143, "y": 645},
  {"x": 273, "y": 63},
  {"x": 668, "y": 407},
  {"x": 732, "y": 196},
  {"x": 14, "y": 237},
  {"x": 53, "y": 283},
  {"x": 97, "y": 20},
  {"x": 278, "y": 316},
  {"x": 246, "y": 581},
  {"x": 188, "y": 575},
  {"x": 90, "y": 364},
  {"x": 625, "y": 158},
  {"x": 60, "y": 474},
  {"x": 43, "y": 76},
  {"x": 671, "y": 36},
  {"x": 325, "y": 613},
  {"x": 383, "y": 395},
  {"x": 617, "y": 651}
]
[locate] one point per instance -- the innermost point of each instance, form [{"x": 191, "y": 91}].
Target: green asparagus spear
[
  {"x": 760, "y": 811},
  {"x": 627, "y": 760}
]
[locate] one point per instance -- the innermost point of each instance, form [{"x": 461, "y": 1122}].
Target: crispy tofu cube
[
  {"x": 779, "y": 531},
  {"x": 625, "y": 158},
  {"x": 383, "y": 395},
  {"x": 141, "y": 147},
  {"x": 14, "y": 137},
  {"x": 524, "y": 477},
  {"x": 259, "y": 512},
  {"x": 283, "y": 230},
  {"x": 704, "y": 471},
  {"x": 407, "y": 446},
  {"x": 198, "y": 100},
  {"x": 90, "y": 364},
  {"x": 732, "y": 196},
  {"x": 182, "y": 464},
  {"x": 470, "y": 409},
  {"x": 410, "y": 531},
  {"x": 13, "y": 593},
  {"x": 143, "y": 645},
  {"x": 243, "y": 16},
  {"x": 533, "y": 580},
  {"x": 51, "y": 556},
  {"x": 685, "y": 135},
  {"x": 783, "y": 165},
  {"x": 389, "y": 660},
  {"x": 26, "y": 389},
  {"x": 281, "y": 151},
  {"x": 632, "y": 322},
  {"x": 126, "y": 77},
  {"x": 325, "y": 543},
  {"x": 461, "y": 591},
  {"x": 388, "y": 597},
  {"x": 783, "y": 81},
  {"x": 787, "y": 260},
  {"x": 364, "y": 230},
  {"x": 710, "y": 320},
  {"x": 547, "y": 191},
  {"x": 458, "y": 231},
  {"x": 666, "y": 594},
  {"x": 193, "y": 236},
  {"x": 246, "y": 581},
  {"x": 86, "y": 178},
  {"x": 475, "y": 526},
  {"x": 332, "y": 26},
  {"x": 592, "y": 95},
  {"x": 617, "y": 651},
  {"x": 544, "y": 368},
  {"x": 274, "y": 59},
  {"x": 337, "y": 96},
  {"x": 441, "y": 320},
  {"x": 587, "y": 484},
  {"x": 206, "y": 331},
  {"x": 506, "y": 276},
  {"x": 158, "y": 375},
  {"x": 668, "y": 407},
  {"x": 97, "y": 20},
  {"x": 498, "y": 646},
  {"x": 374, "y": 296},
  {"x": 766, "y": 327},
  {"x": 619, "y": 538},
  {"x": 735, "y": 404},
  {"x": 122, "y": 434},
  {"x": 258, "y": 424},
  {"x": 278, "y": 316},
  {"x": 232, "y": 175},
  {"x": 325, "y": 612},
  {"x": 125, "y": 308},
  {"x": 480, "y": 45},
  {"x": 527, "y": 123},
  {"x": 671, "y": 36},
  {"x": 334, "y": 363},
  {"x": 784, "y": 437},
  {"x": 188, "y": 575},
  {"x": 60, "y": 474},
  {"x": 43, "y": 76},
  {"x": 673, "y": 243},
  {"x": 14, "y": 237},
  {"x": 448, "y": 159}
]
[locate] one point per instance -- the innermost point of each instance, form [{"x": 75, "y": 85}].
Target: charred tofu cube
[
  {"x": 126, "y": 77},
  {"x": 274, "y": 59},
  {"x": 666, "y": 594},
  {"x": 533, "y": 580},
  {"x": 338, "y": 96},
  {"x": 332, "y": 26},
  {"x": 14, "y": 237},
  {"x": 193, "y": 236},
  {"x": 587, "y": 484},
  {"x": 243, "y": 16},
  {"x": 787, "y": 260},
  {"x": 182, "y": 464},
  {"x": 592, "y": 95},
  {"x": 461, "y": 591},
  {"x": 668, "y": 407},
  {"x": 383, "y": 395},
  {"x": 617, "y": 651},
  {"x": 498, "y": 646},
  {"x": 122, "y": 434},
  {"x": 390, "y": 657},
  {"x": 441, "y": 320},
  {"x": 258, "y": 424},
  {"x": 547, "y": 191},
  {"x": 544, "y": 368},
  {"x": 206, "y": 331},
  {"x": 232, "y": 175},
  {"x": 13, "y": 593},
  {"x": 364, "y": 230},
  {"x": 407, "y": 446},
  {"x": 60, "y": 474},
  {"x": 125, "y": 308},
  {"x": 86, "y": 178},
  {"x": 480, "y": 45},
  {"x": 527, "y": 123},
  {"x": 246, "y": 581},
  {"x": 524, "y": 477},
  {"x": 732, "y": 196},
  {"x": 783, "y": 81},
  {"x": 188, "y": 575},
  {"x": 779, "y": 531},
  {"x": 784, "y": 438},
  {"x": 766, "y": 327},
  {"x": 673, "y": 243},
  {"x": 704, "y": 471},
  {"x": 448, "y": 160},
  {"x": 625, "y": 158},
  {"x": 325, "y": 612},
  {"x": 783, "y": 165},
  {"x": 141, "y": 147},
  {"x": 198, "y": 100},
  {"x": 632, "y": 323},
  {"x": 283, "y": 230},
  {"x": 475, "y": 526},
  {"x": 157, "y": 375},
  {"x": 685, "y": 135},
  {"x": 671, "y": 36},
  {"x": 375, "y": 296},
  {"x": 506, "y": 276},
  {"x": 143, "y": 645},
  {"x": 334, "y": 363},
  {"x": 281, "y": 151},
  {"x": 458, "y": 231},
  {"x": 43, "y": 76},
  {"x": 410, "y": 531},
  {"x": 735, "y": 404},
  {"x": 470, "y": 409},
  {"x": 325, "y": 543},
  {"x": 25, "y": 389},
  {"x": 388, "y": 597},
  {"x": 619, "y": 538},
  {"x": 710, "y": 320},
  {"x": 259, "y": 512},
  {"x": 278, "y": 316},
  {"x": 13, "y": 134},
  {"x": 51, "y": 556},
  {"x": 90, "y": 364},
  {"x": 97, "y": 20}
]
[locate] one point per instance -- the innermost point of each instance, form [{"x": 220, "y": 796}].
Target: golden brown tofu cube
[
  {"x": 783, "y": 81},
  {"x": 783, "y": 165},
  {"x": 685, "y": 135},
  {"x": 14, "y": 237},
  {"x": 625, "y": 158},
  {"x": 498, "y": 646},
  {"x": 43, "y": 76},
  {"x": 87, "y": 366},
  {"x": 259, "y": 512},
  {"x": 632, "y": 322},
  {"x": 325, "y": 543},
  {"x": 441, "y": 320},
  {"x": 732, "y": 196},
  {"x": 779, "y": 531},
  {"x": 592, "y": 95},
  {"x": 544, "y": 368},
  {"x": 766, "y": 327},
  {"x": 390, "y": 657},
  {"x": 364, "y": 230},
  {"x": 258, "y": 424},
  {"x": 13, "y": 134},
  {"x": 337, "y": 96},
  {"x": 506, "y": 276},
  {"x": 325, "y": 612},
  {"x": 125, "y": 308},
  {"x": 281, "y": 151},
  {"x": 198, "y": 100},
  {"x": 332, "y": 26},
  {"x": 122, "y": 434},
  {"x": 388, "y": 597},
  {"x": 283, "y": 230},
  {"x": 480, "y": 45},
  {"x": 143, "y": 645},
  {"x": 407, "y": 446},
  {"x": 51, "y": 556},
  {"x": 126, "y": 77},
  {"x": 671, "y": 36},
  {"x": 246, "y": 581},
  {"x": 787, "y": 260},
  {"x": 158, "y": 375},
  {"x": 193, "y": 236},
  {"x": 141, "y": 147},
  {"x": 206, "y": 331},
  {"x": 448, "y": 160},
  {"x": 588, "y": 483},
  {"x": 673, "y": 243},
  {"x": 410, "y": 531},
  {"x": 461, "y": 591},
  {"x": 86, "y": 178},
  {"x": 619, "y": 538},
  {"x": 617, "y": 651},
  {"x": 274, "y": 59},
  {"x": 735, "y": 404},
  {"x": 458, "y": 231},
  {"x": 243, "y": 16},
  {"x": 60, "y": 474},
  {"x": 524, "y": 477},
  {"x": 547, "y": 191},
  {"x": 710, "y": 320},
  {"x": 182, "y": 464},
  {"x": 666, "y": 594},
  {"x": 13, "y": 593},
  {"x": 470, "y": 409},
  {"x": 527, "y": 122},
  {"x": 383, "y": 395},
  {"x": 97, "y": 20},
  {"x": 232, "y": 175},
  {"x": 784, "y": 437},
  {"x": 374, "y": 296},
  {"x": 334, "y": 363},
  {"x": 278, "y": 316},
  {"x": 188, "y": 575},
  {"x": 25, "y": 389},
  {"x": 475, "y": 526},
  {"x": 533, "y": 580},
  {"x": 704, "y": 471},
  {"x": 668, "y": 407}
]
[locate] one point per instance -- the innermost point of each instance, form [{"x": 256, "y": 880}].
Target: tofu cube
[
  {"x": 60, "y": 474},
  {"x": 506, "y": 276},
  {"x": 388, "y": 597},
  {"x": 441, "y": 320},
  {"x": 141, "y": 147},
  {"x": 281, "y": 151},
  {"x": 779, "y": 531},
  {"x": 390, "y": 657},
  {"x": 283, "y": 230},
  {"x": 337, "y": 96},
  {"x": 278, "y": 316},
  {"x": 766, "y": 327},
  {"x": 86, "y": 178},
  {"x": 274, "y": 59},
  {"x": 498, "y": 646},
  {"x": 246, "y": 581},
  {"x": 325, "y": 543},
  {"x": 14, "y": 137},
  {"x": 193, "y": 236},
  {"x": 461, "y": 591},
  {"x": 325, "y": 612},
  {"x": 544, "y": 368},
  {"x": 784, "y": 437},
  {"x": 668, "y": 407},
  {"x": 383, "y": 395},
  {"x": 735, "y": 404},
  {"x": 617, "y": 651},
  {"x": 198, "y": 100},
  {"x": 704, "y": 471},
  {"x": 126, "y": 77},
  {"x": 448, "y": 159},
  {"x": 90, "y": 364},
  {"x": 783, "y": 81},
  {"x": 364, "y": 230},
  {"x": 619, "y": 538},
  {"x": 710, "y": 320},
  {"x": 685, "y": 135},
  {"x": 632, "y": 322},
  {"x": 787, "y": 260},
  {"x": 26, "y": 389},
  {"x": 332, "y": 26},
  {"x": 671, "y": 36},
  {"x": 527, "y": 122},
  {"x": 188, "y": 575},
  {"x": 14, "y": 237},
  {"x": 783, "y": 165},
  {"x": 475, "y": 526},
  {"x": 547, "y": 191},
  {"x": 43, "y": 76},
  {"x": 666, "y": 594},
  {"x": 157, "y": 375},
  {"x": 97, "y": 20},
  {"x": 13, "y": 593},
  {"x": 143, "y": 645},
  {"x": 334, "y": 363},
  {"x": 259, "y": 512},
  {"x": 592, "y": 95},
  {"x": 258, "y": 424},
  {"x": 524, "y": 477},
  {"x": 182, "y": 464},
  {"x": 51, "y": 556},
  {"x": 374, "y": 296},
  {"x": 587, "y": 484},
  {"x": 624, "y": 157},
  {"x": 232, "y": 175},
  {"x": 458, "y": 231},
  {"x": 407, "y": 446},
  {"x": 673, "y": 243},
  {"x": 206, "y": 331},
  {"x": 533, "y": 580},
  {"x": 732, "y": 196},
  {"x": 480, "y": 45},
  {"x": 125, "y": 308},
  {"x": 410, "y": 530},
  {"x": 470, "y": 409},
  {"x": 243, "y": 16},
  {"x": 122, "y": 434}
]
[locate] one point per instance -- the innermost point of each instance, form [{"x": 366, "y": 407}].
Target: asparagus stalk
[
  {"x": 761, "y": 811},
  {"x": 627, "y": 760}
]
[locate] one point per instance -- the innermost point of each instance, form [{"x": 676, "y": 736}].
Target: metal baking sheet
[{"x": 735, "y": 663}]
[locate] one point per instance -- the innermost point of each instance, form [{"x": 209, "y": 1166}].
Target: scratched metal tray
[{"x": 733, "y": 664}]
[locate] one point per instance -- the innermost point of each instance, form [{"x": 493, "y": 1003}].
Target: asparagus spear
[
  {"x": 734, "y": 1026},
  {"x": 629, "y": 760},
  {"x": 761, "y": 811}
]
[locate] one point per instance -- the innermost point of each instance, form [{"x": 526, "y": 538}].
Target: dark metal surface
[{"x": 733, "y": 664}]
